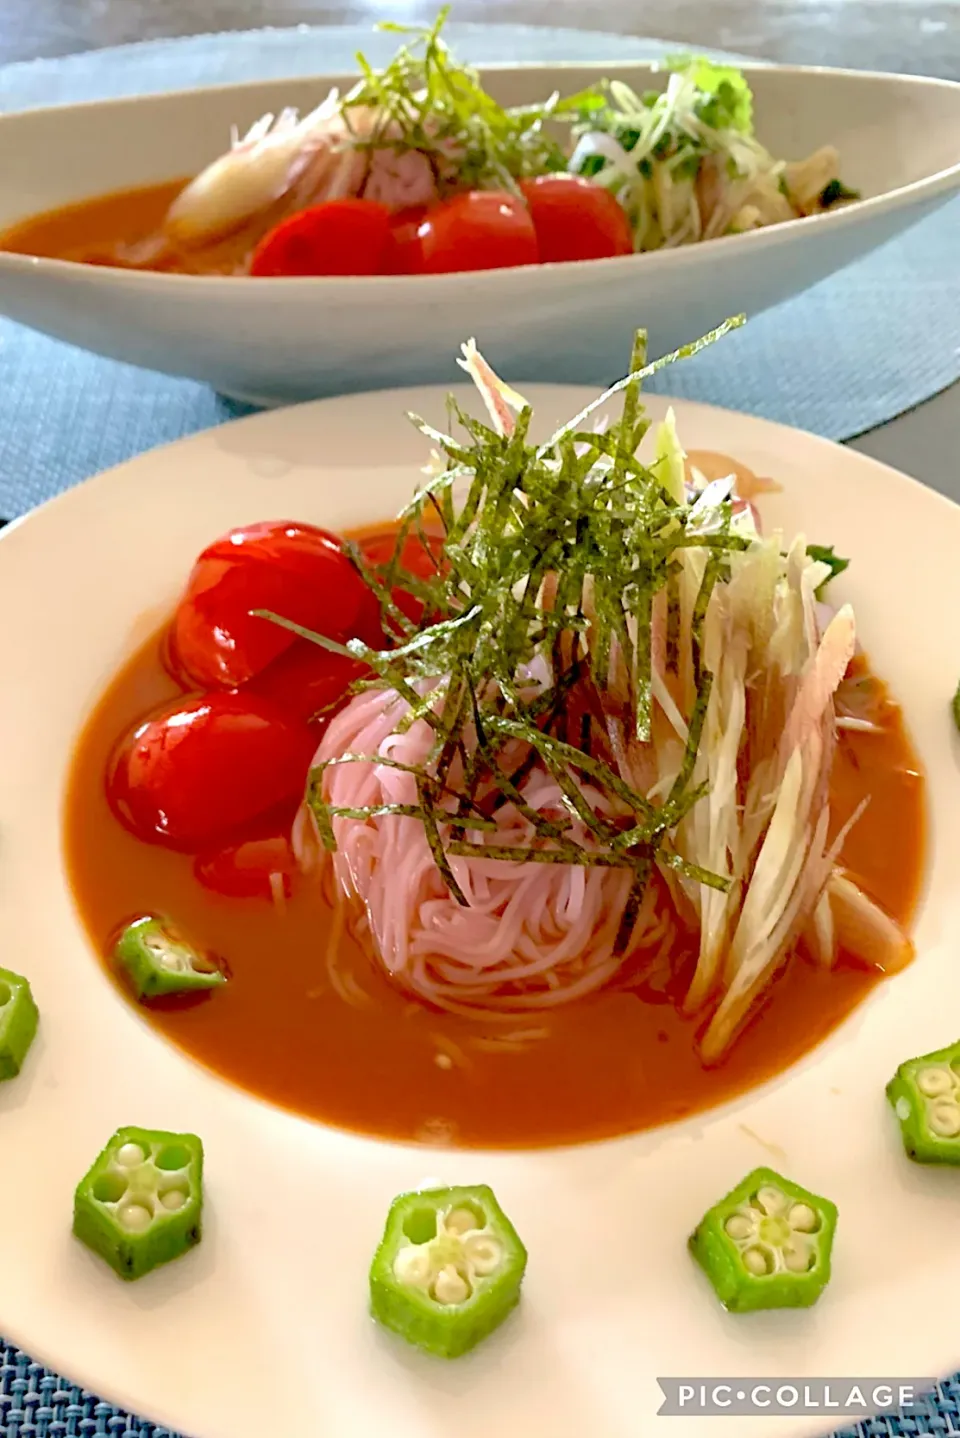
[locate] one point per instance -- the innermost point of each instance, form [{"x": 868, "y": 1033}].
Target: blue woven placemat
[{"x": 855, "y": 351}]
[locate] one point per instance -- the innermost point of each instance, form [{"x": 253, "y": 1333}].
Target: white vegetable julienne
[{"x": 682, "y": 175}]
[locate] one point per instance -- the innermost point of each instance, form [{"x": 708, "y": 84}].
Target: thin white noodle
[{"x": 534, "y": 935}]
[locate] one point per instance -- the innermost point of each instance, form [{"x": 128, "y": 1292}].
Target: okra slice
[
  {"x": 19, "y": 1017},
  {"x": 448, "y": 1269},
  {"x": 767, "y": 1244},
  {"x": 141, "y": 1203},
  {"x": 925, "y": 1093},
  {"x": 156, "y": 960}
]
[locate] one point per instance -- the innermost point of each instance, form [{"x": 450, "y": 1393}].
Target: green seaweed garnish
[
  {"x": 955, "y": 706},
  {"x": 429, "y": 102},
  {"x": 553, "y": 555}
]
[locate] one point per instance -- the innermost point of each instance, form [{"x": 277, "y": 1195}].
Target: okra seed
[
  {"x": 738, "y": 1226},
  {"x": 6, "y": 994},
  {"x": 945, "y": 1118},
  {"x": 130, "y": 1154},
  {"x": 803, "y": 1218},
  {"x": 902, "y": 1109},
  {"x": 135, "y": 1217},
  {"x": 757, "y": 1262},
  {"x": 173, "y": 1199},
  {"x": 797, "y": 1256},
  {"x": 483, "y": 1253},
  {"x": 172, "y": 959},
  {"x": 771, "y": 1200},
  {"x": 459, "y": 1221},
  {"x": 450, "y": 1286},
  {"x": 934, "y": 1081},
  {"x": 414, "y": 1267}
]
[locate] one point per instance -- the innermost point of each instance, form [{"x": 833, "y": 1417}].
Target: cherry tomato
[
  {"x": 308, "y": 681},
  {"x": 479, "y": 230},
  {"x": 339, "y": 237},
  {"x": 405, "y": 256},
  {"x": 196, "y": 773},
  {"x": 369, "y": 626},
  {"x": 292, "y": 569},
  {"x": 576, "y": 219},
  {"x": 416, "y": 558},
  {"x": 249, "y": 870}
]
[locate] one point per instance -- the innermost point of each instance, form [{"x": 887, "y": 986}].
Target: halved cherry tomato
[
  {"x": 206, "y": 766},
  {"x": 478, "y": 230},
  {"x": 339, "y": 237},
  {"x": 576, "y": 219},
  {"x": 250, "y": 870},
  {"x": 405, "y": 256},
  {"x": 307, "y": 681},
  {"x": 291, "y": 569},
  {"x": 416, "y": 558}
]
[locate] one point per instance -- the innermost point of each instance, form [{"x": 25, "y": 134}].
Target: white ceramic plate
[
  {"x": 264, "y": 1330},
  {"x": 276, "y": 340}
]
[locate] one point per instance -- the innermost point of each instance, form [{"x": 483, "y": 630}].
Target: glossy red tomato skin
[
  {"x": 292, "y": 569},
  {"x": 405, "y": 254},
  {"x": 205, "y": 767},
  {"x": 575, "y": 219},
  {"x": 416, "y": 558},
  {"x": 254, "y": 869},
  {"x": 338, "y": 237},
  {"x": 308, "y": 682},
  {"x": 478, "y": 230}
]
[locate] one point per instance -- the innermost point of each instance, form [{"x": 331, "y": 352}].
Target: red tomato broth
[
  {"x": 123, "y": 229},
  {"x": 558, "y": 218},
  {"x": 622, "y": 1061}
]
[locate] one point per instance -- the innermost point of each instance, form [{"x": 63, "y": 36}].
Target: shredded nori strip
[
  {"x": 427, "y": 101},
  {"x": 549, "y": 559}
]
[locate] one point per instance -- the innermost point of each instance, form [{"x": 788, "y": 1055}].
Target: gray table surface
[{"x": 915, "y": 36}]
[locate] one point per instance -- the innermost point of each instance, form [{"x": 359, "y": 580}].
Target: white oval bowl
[{"x": 272, "y": 341}]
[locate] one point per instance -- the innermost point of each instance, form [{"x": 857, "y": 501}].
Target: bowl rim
[{"x": 940, "y": 183}]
